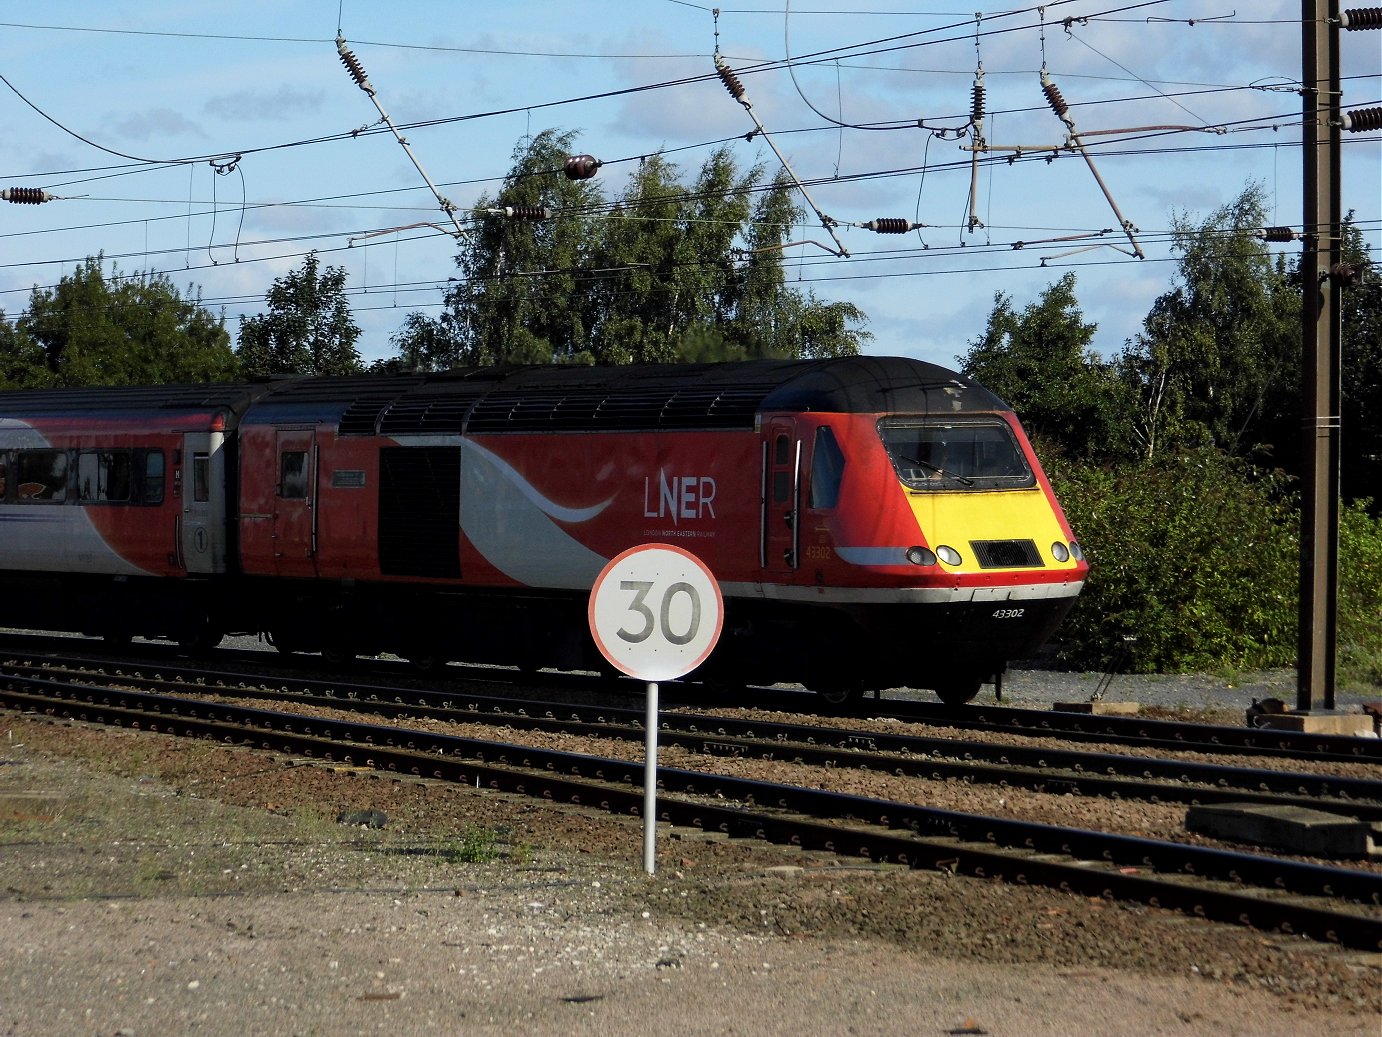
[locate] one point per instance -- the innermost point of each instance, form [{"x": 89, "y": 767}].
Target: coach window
[
  {"x": 827, "y": 469},
  {"x": 4, "y": 475},
  {"x": 41, "y": 475},
  {"x": 104, "y": 475},
  {"x": 153, "y": 477},
  {"x": 201, "y": 477},
  {"x": 292, "y": 476}
]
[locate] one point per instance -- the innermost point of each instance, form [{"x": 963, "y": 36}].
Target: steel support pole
[
  {"x": 1320, "y": 356},
  {"x": 650, "y": 780}
]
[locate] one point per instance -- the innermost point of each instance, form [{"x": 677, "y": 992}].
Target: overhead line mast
[{"x": 1324, "y": 275}]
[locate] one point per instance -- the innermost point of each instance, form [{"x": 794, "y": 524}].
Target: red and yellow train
[{"x": 873, "y": 522}]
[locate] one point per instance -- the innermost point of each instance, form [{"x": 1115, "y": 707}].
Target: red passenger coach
[
  {"x": 872, "y": 521},
  {"x": 113, "y": 509}
]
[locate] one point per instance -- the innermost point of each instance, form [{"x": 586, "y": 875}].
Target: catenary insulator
[
  {"x": 353, "y": 66},
  {"x": 731, "y": 81},
  {"x": 976, "y": 113},
  {"x": 581, "y": 167},
  {"x": 1361, "y": 18},
  {"x": 1277, "y": 234},
  {"x": 527, "y": 212},
  {"x": 1363, "y": 120},
  {"x": 1053, "y": 96},
  {"x": 889, "y": 225},
  {"x": 26, "y": 195}
]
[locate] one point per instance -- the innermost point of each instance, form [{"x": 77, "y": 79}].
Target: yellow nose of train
[{"x": 999, "y": 537}]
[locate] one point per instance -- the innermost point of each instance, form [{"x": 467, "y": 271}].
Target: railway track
[
  {"x": 1045, "y": 769},
  {"x": 1321, "y": 902},
  {"x": 1142, "y": 732}
]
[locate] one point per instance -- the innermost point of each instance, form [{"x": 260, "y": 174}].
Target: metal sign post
[
  {"x": 655, "y": 613},
  {"x": 650, "y": 779}
]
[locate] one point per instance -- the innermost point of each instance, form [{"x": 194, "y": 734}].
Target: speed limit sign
[{"x": 656, "y": 612}]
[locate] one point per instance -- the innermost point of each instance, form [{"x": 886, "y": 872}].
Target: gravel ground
[{"x": 156, "y": 886}]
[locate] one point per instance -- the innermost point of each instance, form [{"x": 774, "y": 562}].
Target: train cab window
[
  {"x": 201, "y": 477},
  {"x": 292, "y": 475},
  {"x": 41, "y": 475},
  {"x": 153, "y": 477},
  {"x": 931, "y": 454},
  {"x": 827, "y": 469},
  {"x": 104, "y": 476}
]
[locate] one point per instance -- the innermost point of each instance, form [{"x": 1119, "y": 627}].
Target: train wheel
[
  {"x": 200, "y": 642},
  {"x": 201, "y": 634},
  {"x": 338, "y": 657},
  {"x": 283, "y": 645},
  {"x": 726, "y": 689},
  {"x": 426, "y": 662},
  {"x": 959, "y": 691},
  {"x": 839, "y": 693}
]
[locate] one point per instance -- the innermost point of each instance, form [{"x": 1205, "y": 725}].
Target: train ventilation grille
[{"x": 1006, "y": 554}]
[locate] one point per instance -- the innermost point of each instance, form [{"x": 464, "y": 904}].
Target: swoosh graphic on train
[{"x": 510, "y": 522}]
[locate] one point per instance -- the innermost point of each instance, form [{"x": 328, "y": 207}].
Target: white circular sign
[{"x": 656, "y": 612}]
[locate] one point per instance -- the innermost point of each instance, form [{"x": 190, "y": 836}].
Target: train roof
[
  {"x": 130, "y": 400},
  {"x": 480, "y": 400},
  {"x": 629, "y": 398}
]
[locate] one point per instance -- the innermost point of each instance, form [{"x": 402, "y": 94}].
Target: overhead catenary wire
[
  {"x": 277, "y": 256},
  {"x": 809, "y": 182}
]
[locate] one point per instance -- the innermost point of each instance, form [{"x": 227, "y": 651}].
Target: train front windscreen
[{"x": 932, "y": 454}]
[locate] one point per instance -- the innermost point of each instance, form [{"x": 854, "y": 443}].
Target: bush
[
  {"x": 1196, "y": 556},
  {"x": 1360, "y": 595}
]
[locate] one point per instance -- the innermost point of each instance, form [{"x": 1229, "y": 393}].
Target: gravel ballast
[{"x": 156, "y": 886}]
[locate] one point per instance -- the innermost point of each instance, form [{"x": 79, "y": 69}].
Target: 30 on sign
[{"x": 656, "y": 612}]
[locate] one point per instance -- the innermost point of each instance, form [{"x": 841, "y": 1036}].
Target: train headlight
[
  {"x": 921, "y": 556},
  {"x": 949, "y": 555},
  {"x": 1060, "y": 552},
  {"x": 1076, "y": 551}
]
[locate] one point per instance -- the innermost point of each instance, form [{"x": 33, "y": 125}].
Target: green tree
[
  {"x": 308, "y": 329},
  {"x": 518, "y": 298},
  {"x": 771, "y": 319},
  {"x": 639, "y": 306},
  {"x": 21, "y": 359},
  {"x": 1360, "y": 446},
  {"x": 664, "y": 272},
  {"x": 134, "y": 329},
  {"x": 1218, "y": 358},
  {"x": 1040, "y": 361}
]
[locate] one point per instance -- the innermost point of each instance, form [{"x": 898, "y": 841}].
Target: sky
[{"x": 220, "y": 143}]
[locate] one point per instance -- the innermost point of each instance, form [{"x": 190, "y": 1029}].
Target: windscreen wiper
[{"x": 937, "y": 469}]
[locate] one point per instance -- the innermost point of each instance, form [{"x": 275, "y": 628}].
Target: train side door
[
  {"x": 201, "y": 530},
  {"x": 781, "y": 496},
  {"x": 295, "y": 500}
]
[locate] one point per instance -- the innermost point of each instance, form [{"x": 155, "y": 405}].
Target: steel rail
[
  {"x": 1048, "y": 770},
  {"x": 1136, "y": 730},
  {"x": 1145, "y": 731},
  {"x": 1319, "y": 902}
]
